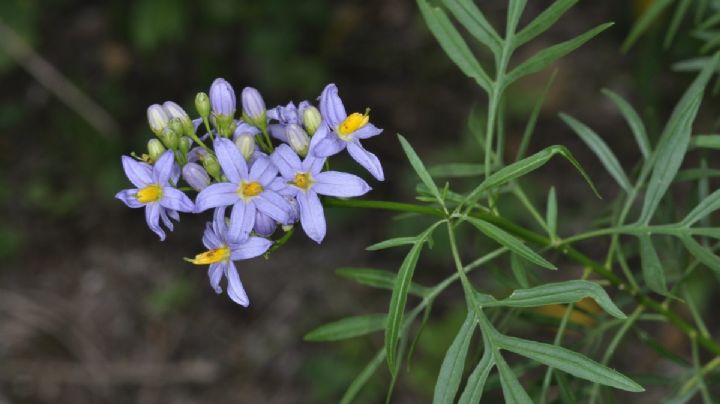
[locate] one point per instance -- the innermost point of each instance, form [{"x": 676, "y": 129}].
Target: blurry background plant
[{"x": 93, "y": 310}]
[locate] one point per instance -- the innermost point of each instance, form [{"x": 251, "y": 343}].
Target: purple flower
[
  {"x": 222, "y": 251},
  {"x": 342, "y": 131},
  {"x": 247, "y": 191},
  {"x": 222, "y": 98},
  {"x": 289, "y": 114},
  {"x": 196, "y": 176},
  {"x": 305, "y": 181},
  {"x": 154, "y": 192},
  {"x": 253, "y": 104}
]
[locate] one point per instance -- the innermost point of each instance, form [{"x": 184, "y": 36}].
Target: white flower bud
[
  {"x": 311, "y": 119},
  {"x": 157, "y": 118},
  {"x": 246, "y": 145},
  {"x": 297, "y": 138}
]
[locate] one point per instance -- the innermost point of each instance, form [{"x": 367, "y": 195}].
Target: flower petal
[
  {"x": 343, "y": 185},
  {"x": 286, "y": 160},
  {"x": 128, "y": 196},
  {"x": 215, "y": 273},
  {"x": 264, "y": 225},
  {"x": 329, "y": 146},
  {"x": 277, "y": 131},
  {"x": 210, "y": 239},
  {"x": 140, "y": 174},
  {"x": 243, "y": 129},
  {"x": 235, "y": 288},
  {"x": 312, "y": 216},
  {"x": 216, "y": 195},
  {"x": 242, "y": 221},
  {"x": 263, "y": 171},
  {"x": 165, "y": 219},
  {"x": 152, "y": 217},
  {"x": 251, "y": 248},
  {"x": 369, "y": 130},
  {"x": 331, "y": 107},
  {"x": 366, "y": 159},
  {"x": 313, "y": 164},
  {"x": 164, "y": 168},
  {"x": 273, "y": 205},
  {"x": 231, "y": 160},
  {"x": 176, "y": 200}
]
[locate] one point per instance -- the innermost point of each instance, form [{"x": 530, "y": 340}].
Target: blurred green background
[{"x": 94, "y": 309}]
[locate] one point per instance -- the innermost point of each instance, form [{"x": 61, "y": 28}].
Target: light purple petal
[
  {"x": 343, "y": 185},
  {"x": 282, "y": 188},
  {"x": 165, "y": 219},
  {"x": 140, "y": 174},
  {"x": 164, "y": 168},
  {"x": 369, "y": 130},
  {"x": 329, "y": 146},
  {"x": 312, "y": 216},
  {"x": 320, "y": 134},
  {"x": 231, "y": 160},
  {"x": 128, "y": 196},
  {"x": 242, "y": 221},
  {"x": 235, "y": 288},
  {"x": 366, "y": 159},
  {"x": 278, "y": 132},
  {"x": 313, "y": 164},
  {"x": 174, "y": 215},
  {"x": 244, "y": 128},
  {"x": 210, "y": 238},
  {"x": 196, "y": 154},
  {"x": 253, "y": 247},
  {"x": 219, "y": 223},
  {"x": 216, "y": 195},
  {"x": 286, "y": 160},
  {"x": 215, "y": 273},
  {"x": 264, "y": 225},
  {"x": 331, "y": 106},
  {"x": 273, "y": 205},
  {"x": 152, "y": 217},
  {"x": 176, "y": 200},
  {"x": 263, "y": 171}
]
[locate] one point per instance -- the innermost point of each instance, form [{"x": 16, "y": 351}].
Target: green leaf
[
  {"x": 515, "y": 10},
  {"x": 652, "y": 268},
  {"x": 704, "y": 255},
  {"x": 547, "y": 56},
  {"x": 513, "y": 391},
  {"x": 377, "y": 278},
  {"x": 542, "y": 22},
  {"x": 601, "y": 150},
  {"x": 347, "y": 328},
  {"x": 396, "y": 311},
  {"x": 673, "y": 143},
  {"x": 644, "y": 22},
  {"x": 519, "y": 270},
  {"x": 457, "y": 170},
  {"x": 474, "y": 21},
  {"x": 453, "y": 44},
  {"x": 703, "y": 209},
  {"x": 451, "y": 370},
  {"x": 419, "y": 168},
  {"x": 680, "y": 11},
  {"x": 551, "y": 213},
  {"x": 511, "y": 242},
  {"x": 532, "y": 120},
  {"x": 362, "y": 378},
  {"x": 559, "y": 293},
  {"x": 393, "y": 242},
  {"x": 633, "y": 120},
  {"x": 705, "y": 142},
  {"x": 567, "y": 361},
  {"x": 476, "y": 382}
]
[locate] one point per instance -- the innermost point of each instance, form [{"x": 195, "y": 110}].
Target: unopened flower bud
[
  {"x": 157, "y": 118},
  {"x": 176, "y": 125},
  {"x": 184, "y": 145},
  {"x": 311, "y": 119},
  {"x": 196, "y": 176},
  {"x": 297, "y": 138},
  {"x": 169, "y": 138},
  {"x": 253, "y": 105},
  {"x": 155, "y": 149},
  {"x": 212, "y": 166},
  {"x": 173, "y": 110},
  {"x": 246, "y": 145},
  {"x": 202, "y": 105},
  {"x": 222, "y": 98}
]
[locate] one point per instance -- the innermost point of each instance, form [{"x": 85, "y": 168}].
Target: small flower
[
  {"x": 305, "y": 181},
  {"x": 342, "y": 131},
  {"x": 222, "y": 98},
  {"x": 247, "y": 191},
  {"x": 157, "y": 118},
  {"x": 202, "y": 106},
  {"x": 253, "y": 106},
  {"x": 297, "y": 138},
  {"x": 174, "y": 111},
  {"x": 311, "y": 119},
  {"x": 222, "y": 251},
  {"x": 289, "y": 114},
  {"x": 154, "y": 191},
  {"x": 196, "y": 176},
  {"x": 155, "y": 149}
]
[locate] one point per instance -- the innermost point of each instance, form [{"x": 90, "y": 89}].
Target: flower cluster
[{"x": 258, "y": 171}]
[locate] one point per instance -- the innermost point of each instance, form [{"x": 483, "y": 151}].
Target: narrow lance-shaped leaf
[
  {"x": 515, "y": 10},
  {"x": 475, "y": 22},
  {"x": 705, "y": 142},
  {"x": 532, "y": 120},
  {"x": 513, "y": 391},
  {"x": 559, "y": 293},
  {"x": 652, "y": 268},
  {"x": 393, "y": 242},
  {"x": 633, "y": 120},
  {"x": 377, "y": 278},
  {"x": 542, "y": 22},
  {"x": 420, "y": 169},
  {"x": 451, "y": 370},
  {"x": 453, "y": 44},
  {"x": 347, "y": 328},
  {"x": 518, "y": 269},
  {"x": 642, "y": 24},
  {"x": 568, "y": 361},
  {"x": 551, "y": 213},
  {"x": 601, "y": 150},
  {"x": 704, "y": 255},
  {"x": 457, "y": 170},
  {"x": 511, "y": 242},
  {"x": 680, "y": 11},
  {"x": 703, "y": 209},
  {"x": 545, "y": 57},
  {"x": 362, "y": 378},
  {"x": 476, "y": 381}
]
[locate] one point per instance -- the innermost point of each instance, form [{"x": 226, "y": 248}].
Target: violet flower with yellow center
[
  {"x": 305, "y": 181},
  {"x": 341, "y": 131},
  {"x": 246, "y": 190},
  {"x": 161, "y": 200}
]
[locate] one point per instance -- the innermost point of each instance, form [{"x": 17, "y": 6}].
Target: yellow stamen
[
  {"x": 250, "y": 189},
  {"x": 150, "y": 193},
  {"x": 302, "y": 180},
  {"x": 211, "y": 256},
  {"x": 353, "y": 122}
]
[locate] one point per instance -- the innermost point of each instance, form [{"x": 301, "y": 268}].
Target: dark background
[{"x": 94, "y": 309}]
